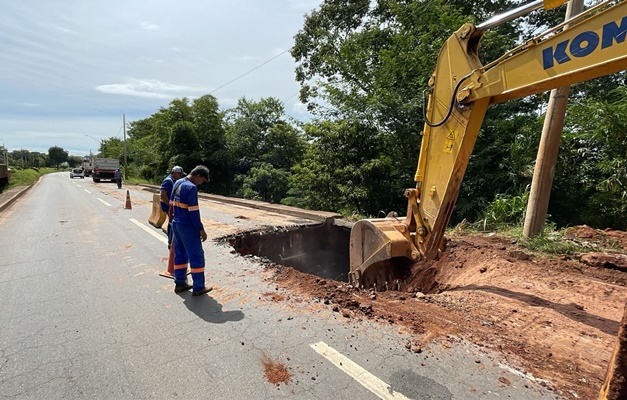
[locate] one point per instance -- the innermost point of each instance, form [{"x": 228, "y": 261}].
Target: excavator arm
[{"x": 461, "y": 89}]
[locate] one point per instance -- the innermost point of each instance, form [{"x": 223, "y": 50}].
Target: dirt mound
[
  {"x": 597, "y": 237},
  {"x": 553, "y": 317}
]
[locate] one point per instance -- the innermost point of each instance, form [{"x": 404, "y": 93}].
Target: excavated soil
[
  {"x": 553, "y": 317},
  {"x": 275, "y": 372}
]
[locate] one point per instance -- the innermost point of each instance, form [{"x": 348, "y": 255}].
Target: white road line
[
  {"x": 104, "y": 202},
  {"x": 355, "y": 371},
  {"x": 153, "y": 233},
  {"x": 87, "y": 190},
  {"x": 79, "y": 185}
]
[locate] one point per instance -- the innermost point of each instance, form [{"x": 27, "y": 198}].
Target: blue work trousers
[{"x": 188, "y": 249}]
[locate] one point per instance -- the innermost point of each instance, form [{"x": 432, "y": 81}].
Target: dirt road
[{"x": 556, "y": 318}]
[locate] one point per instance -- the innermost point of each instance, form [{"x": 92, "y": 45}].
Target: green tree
[
  {"x": 248, "y": 125},
  {"x": 148, "y": 146},
  {"x": 208, "y": 123},
  {"x": 57, "y": 155},
  {"x": 346, "y": 169},
  {"x": 591, "y": 179},
  {"x": 112, "y": 148},
  {"x": 369, "y": 62},
  {"x": 264, "y": 182},
  {"x": 73, "y": 161},
  {"x": 259, "y": 136}
]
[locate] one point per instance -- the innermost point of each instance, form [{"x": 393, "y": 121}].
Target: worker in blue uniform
[
  {"x": 189, "y": 232},
  {"x": 166, "y": 192}
]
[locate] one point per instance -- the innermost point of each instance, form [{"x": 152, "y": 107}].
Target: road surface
[{"x": 84, "y": 314}]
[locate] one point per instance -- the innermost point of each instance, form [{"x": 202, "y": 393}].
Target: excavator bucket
[{"x": 374, "y": 245}]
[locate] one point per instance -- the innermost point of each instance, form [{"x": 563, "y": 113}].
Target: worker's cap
[{"x": 178, "y": 169}]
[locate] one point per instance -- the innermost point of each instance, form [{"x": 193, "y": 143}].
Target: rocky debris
[{"x": 604, "y": 260}]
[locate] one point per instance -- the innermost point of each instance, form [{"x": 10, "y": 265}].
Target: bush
[{"x": 505, "y": 210}]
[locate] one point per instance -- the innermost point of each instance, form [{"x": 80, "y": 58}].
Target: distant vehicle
[
  {"x": 104, "y": 169},
  {"x": 87, "y": 165},
  {"x": 77, "y": 173},
  {"x": 5, "y": 175}
]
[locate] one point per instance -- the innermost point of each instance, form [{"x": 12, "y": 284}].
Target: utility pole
[
  {"x": 546, "y": 160},
  {"x": 125, "y": 164}
]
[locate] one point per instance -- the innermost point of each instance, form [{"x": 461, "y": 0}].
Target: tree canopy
[
  {"x": 362, "y": 66},
  {"x": 57, "y": 156}
]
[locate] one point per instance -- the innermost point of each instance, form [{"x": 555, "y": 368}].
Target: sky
[{"x": 70, "y": 70}]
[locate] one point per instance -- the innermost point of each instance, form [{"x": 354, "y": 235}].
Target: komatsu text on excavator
[{"x": 587, "y": 46}]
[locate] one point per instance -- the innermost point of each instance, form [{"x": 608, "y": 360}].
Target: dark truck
[
  {"x": 104, "y": 169},
  {"x": 5, "y": 175}
]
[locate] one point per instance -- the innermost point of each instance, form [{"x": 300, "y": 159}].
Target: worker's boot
[
  {"x": 207, "y": 289},
  {"x": 182, "y": 288}
]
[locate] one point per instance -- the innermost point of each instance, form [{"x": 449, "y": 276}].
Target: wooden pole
[
  {"x": 125, "y": 161},
  {"x": 546, "y": 160}
]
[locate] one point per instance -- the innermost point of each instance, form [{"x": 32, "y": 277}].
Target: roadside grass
[
  {"x": 25, "y": 177},
  {"x": 551, "y": 241},
  {"x": 139, "y": 181}
]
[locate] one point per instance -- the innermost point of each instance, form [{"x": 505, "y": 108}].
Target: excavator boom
[{"x": 461, "y": 88}]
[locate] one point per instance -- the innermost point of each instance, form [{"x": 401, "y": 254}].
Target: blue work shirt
[
  {"x": 185, "y": 204},
  {"x": 167, "y": 185}
]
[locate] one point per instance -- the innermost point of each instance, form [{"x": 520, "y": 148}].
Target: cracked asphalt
[{"x": 84, "y": 314}]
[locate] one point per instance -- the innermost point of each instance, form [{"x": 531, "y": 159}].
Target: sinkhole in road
[{"x": 321, "y": 250}]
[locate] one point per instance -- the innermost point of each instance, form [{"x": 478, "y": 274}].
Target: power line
[
  {"x": 248, "y": 72},
  {"x": 289, "y": 98},
  {"x": 267, "y": 61}
]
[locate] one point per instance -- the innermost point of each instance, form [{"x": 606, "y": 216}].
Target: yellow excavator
[{"x": 587, "y": 46}]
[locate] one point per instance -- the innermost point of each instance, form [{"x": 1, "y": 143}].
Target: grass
[
  {"x": 28, "y": 176},
  {"x": 139, "y": 181},
  {"x": 25, "y": 177},
  {"x": 550, "y": 241}
]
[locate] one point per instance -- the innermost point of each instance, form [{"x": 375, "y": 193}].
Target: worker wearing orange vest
[{"x": 189, "y": 232}]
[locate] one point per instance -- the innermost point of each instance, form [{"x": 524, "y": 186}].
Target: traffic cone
[
  {"x": 128, "y": 205},
  {"x": 169, "y": 273}
]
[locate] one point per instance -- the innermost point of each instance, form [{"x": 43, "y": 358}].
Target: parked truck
[
  {"x": 87, "y": 165},
  {"x": 5, "y": 175},
  {"x": 104, "y": 168}
]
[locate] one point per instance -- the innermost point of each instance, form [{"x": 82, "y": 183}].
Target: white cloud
[
  {"x": 247, "y": 58},
  {"x": 70, "y": 60},
  {"x": 304, "y": 4},
  {"x": 300, "y": 108},
  {"x": 228, "y": 102},
  {"x": 149, "y": 26},
  {"x": 64, "y": 29},
  {"x": 147, "y": 88}
]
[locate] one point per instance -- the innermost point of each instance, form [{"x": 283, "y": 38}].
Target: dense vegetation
[{"x": 362, "y": 66}]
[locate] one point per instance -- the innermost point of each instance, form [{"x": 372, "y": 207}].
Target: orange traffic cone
[
  {"x": 169, "y": 273},
  {"x": 128, "y": 205}
]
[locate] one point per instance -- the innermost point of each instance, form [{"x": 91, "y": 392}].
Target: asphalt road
[{"x": 84, "y": 314}]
